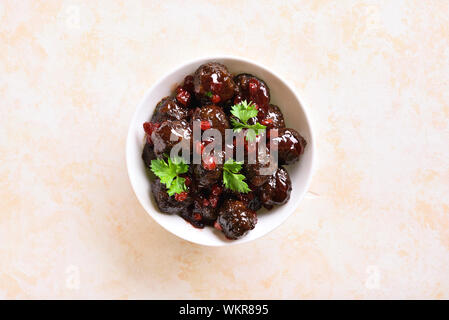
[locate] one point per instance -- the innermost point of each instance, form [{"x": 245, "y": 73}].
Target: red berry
[
  {"x": 209, "y": 163},
  {"x": 216, "y": 98},
  {"x": 197, "y": 216},
  {"x": 267, "y": 122},
  {"x": 149, "y": 127},
  {"x": 181, "y": 196},
  {"x": 216, "y": 190},
  {"x": 183, "y": 97},
  {"x": 213, "y": 201},
  {"x": 205, "y": 203},
  {"x": 217, "y": 226},
  {"x": 205, "y": 124},
  {"x": 253, "y": 86},
  {"x": 188, "y": 181}
]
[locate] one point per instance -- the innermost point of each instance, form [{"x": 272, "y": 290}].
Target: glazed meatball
[
  {"x": 166, "y": 203},
  {"x": 210, "y": 171},
  {"x": 259, "y": 172},
  {"x": 204, "y": 210},
  {"x": 254, "y": 175},
  {"x": 211, "y": 116},
  {"x": 161, "y": 137},
  {"x": 290, "y": 145},
  {"x": 206, "y": 204},
  {"x": 277, "y": 189},
  {"x": 251, "y": 88},
  {"x": 213, "y": 82},
  {"x": 207, "y": 176},
  {"x": 251, "y": 199},
  {"x": 271, "y": 117},
  {"x": 148, "y": 154},
  {"x": 169, "y": 109},
  {"x": 192, "y": 217},
  {"x": 235, "y": 219}
]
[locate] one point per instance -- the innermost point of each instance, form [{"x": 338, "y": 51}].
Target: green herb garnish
[
  {"x": 209, "y": 94},
  {"x": 232, "y": 179},
  {"x": 169, "y": 174},
  {"x": 245, "y": 111}
]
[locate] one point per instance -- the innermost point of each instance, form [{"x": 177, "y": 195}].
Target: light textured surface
[{"x": 375, "y": 75}]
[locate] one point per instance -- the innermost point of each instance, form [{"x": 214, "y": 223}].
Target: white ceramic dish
[{"x": 295, "y": 117}]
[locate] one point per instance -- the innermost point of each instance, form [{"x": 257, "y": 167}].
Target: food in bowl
[{"x": 233, "y": 144}]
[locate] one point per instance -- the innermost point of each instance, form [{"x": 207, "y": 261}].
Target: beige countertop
[{"x": 374, "y": 75}]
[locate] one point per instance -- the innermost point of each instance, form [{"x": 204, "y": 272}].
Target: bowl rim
[{"x": 311, "y": 143}]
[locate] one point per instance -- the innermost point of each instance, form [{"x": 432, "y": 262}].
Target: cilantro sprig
[
  {"x": 245, "y": 111},
  {"x": 169, "y": 173},
  {"x": 232, "y": 179}
]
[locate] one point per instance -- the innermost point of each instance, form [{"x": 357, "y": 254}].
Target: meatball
[
  {"x": 206, "y": 204},
  {"x": 148, "y": 154},
  {"x": 277, "y": 189},
  {"x": 161, "y": 137},
  {"x": 290, "y": 145},
  {"x": 166, "y": 203},
  {"x": 254, "y": 175},
  {"x": 253, "y": 89},
  {"x": 169, "y": 109},
  {"x": 271, "y": 117},
  {"x": 205, "y": 210},
  {"x": 251, "y": 199},
  {"x": 235, "y": 219},
  {"x": 259, "y": 172},
  {"x": 192, "y": 217},
  {"x": 213, "y": 82},
  {"x": 211, "y": 116},
  {"x": 207, "y": 176},
  {"x": 210, "y": 170}
]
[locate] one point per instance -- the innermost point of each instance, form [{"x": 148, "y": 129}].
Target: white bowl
[{"x": 295, "y": 116}]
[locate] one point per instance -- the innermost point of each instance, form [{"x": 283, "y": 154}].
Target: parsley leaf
[
  {"x": 238, "y": 126},
  {"x": 232, "y": 179},
  {"x": 179, "y": 164},
  {"x": 177, "y": 186},
  {"x": 245, "y": 111},
  {"x": 168, "y": 173},
  {"x": 209, "y": 94},
  {"x": 233, "y": 166}
]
